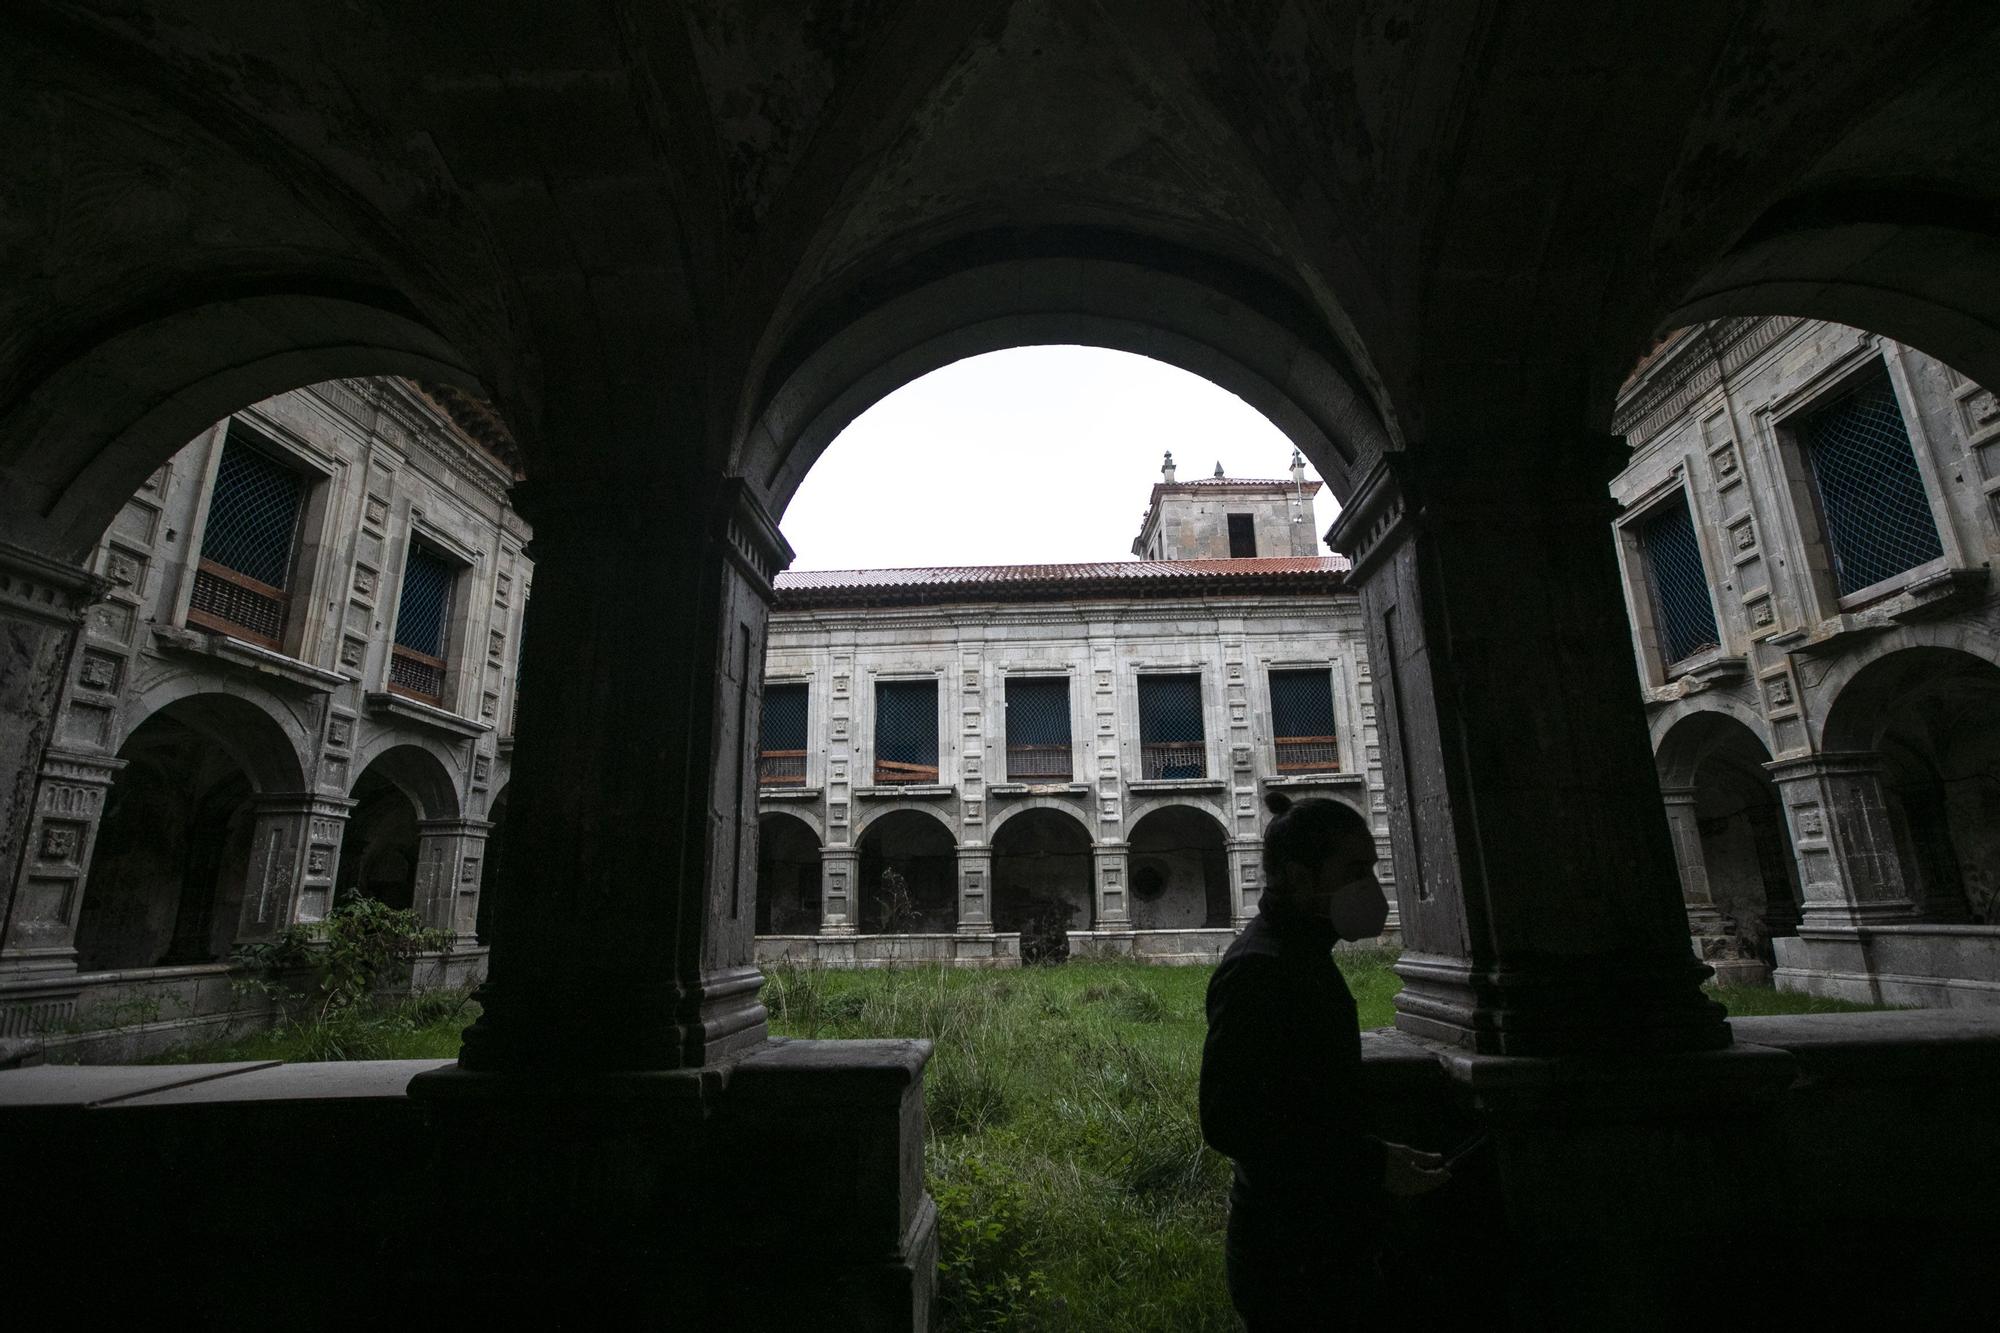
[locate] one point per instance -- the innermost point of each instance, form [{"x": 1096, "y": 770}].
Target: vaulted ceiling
[{"x": 627, "y": 221}]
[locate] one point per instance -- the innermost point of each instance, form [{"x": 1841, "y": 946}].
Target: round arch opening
[
  {"x": 908, "y": 876},
  {"x": 1042, "y": 863},
  {"x": 1746, "y": 852},
  {"x": 1179, "y": 870},
  {"x": 788, "y": 876}
]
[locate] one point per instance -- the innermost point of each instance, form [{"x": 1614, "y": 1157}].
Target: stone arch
[
  {"x": 173, "y": 849},
  {"x": 1015, "y": 806},
  {"x": 92, "y": 431},
  {"x": 1716, "y": 761},
  {"x": 1042, "y": 854},
  {"x": 398, "y": 785},
  {"x": 1179, "y": 868},
  {"x": 884, "y": 809},
  {"x": 1671, "y": 765},
  {"x": 1241, "y": 331},
  {"x": 1933, "y": 716},
  {"x": 908, "y": 874},
  {"x": 270, "y": 743},
  {"x": 425, "y": 772},
  {"x": 788, "y": 874}
]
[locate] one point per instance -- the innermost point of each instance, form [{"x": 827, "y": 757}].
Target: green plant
[
  {"x": 343, "y": 956},
  {"x": 1045, "y": 931},
  {"x": 987, "y": 1275}
]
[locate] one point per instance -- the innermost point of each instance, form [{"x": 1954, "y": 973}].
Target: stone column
[
  {"x": 622, "y": 930},
  {"x": 1850, "y": 868},
  {"x": 839, "y": 909},
  {"x": 42, "y": 607},
  {"x": 1540, "y": 907},
  {"x": 1703, "y": 917},
  {"x": 68, "y": 802},
  {"x": 294, "y": 855},
  {"x": 1111, "y": 878},
  {"x": 1246, "y": 870},
  {"x": 975, "y": 888},
  {"x": 450, "y": 854}
]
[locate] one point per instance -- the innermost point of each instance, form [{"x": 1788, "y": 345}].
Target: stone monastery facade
[
  {"x": 946, "y": 750},
  {"x": 1809, "y": 523},
  {"x": 298, "y": 680}
]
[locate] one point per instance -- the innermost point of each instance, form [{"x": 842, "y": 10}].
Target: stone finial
[
  {"x": 1167, "y": 468},
  {"x": 1218, "y": 467}
]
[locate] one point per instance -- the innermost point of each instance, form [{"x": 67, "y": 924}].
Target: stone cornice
[
  {"x": 40, "y": 588},
  {"x": 1689, "y": 369},
  {"x": 749, "y": 537},
  {"x": 431, "y": 430}
]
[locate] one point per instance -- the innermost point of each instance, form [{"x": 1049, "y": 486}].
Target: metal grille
[
  {"x": 906, "y": 731},
  {"x": 781, "y": 758},
  {"x": 1682, "y": 610},
  {"x": 253, "y": 515},
  {"x": 1302, "y": 722},
  {"x": 1038, "y": 737},
  {"x": 425, "y": 607},
  {"x": 1171, "y": 743},
  {"x": 1878, "y": 519},
  {"x": 223, "y": 602}
]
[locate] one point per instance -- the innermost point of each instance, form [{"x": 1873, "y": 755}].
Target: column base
[{"x": 1561, "y": 1006}]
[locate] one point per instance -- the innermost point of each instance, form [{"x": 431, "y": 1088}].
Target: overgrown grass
[
  {"x": 1073, "y": 1188},
  {"x": 422, "y": 1027},
  {"x": 1748, "y": 1001}
]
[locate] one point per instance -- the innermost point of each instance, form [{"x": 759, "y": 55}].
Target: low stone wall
[
  {"x": 997, "y": 949},
  {"x": 1933, "y": 966},
  {"x": 104, "y": 1017}
]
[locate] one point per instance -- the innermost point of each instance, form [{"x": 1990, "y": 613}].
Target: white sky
[{"x": 1037, "y": 454}]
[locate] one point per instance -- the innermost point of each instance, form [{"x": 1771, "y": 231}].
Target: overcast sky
[{"x": 1019, "y": 457}]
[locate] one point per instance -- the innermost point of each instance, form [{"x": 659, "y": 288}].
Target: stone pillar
[
  {"x": 1246, "y": 870},
  {"x": 975, "y": 888},
  {"x": 68, "y": 803},
  {"x": 1703, "y": 917},
  {"x": 1540, "y": 907},
  {"x": 839, "y": 908},
  {"x": 1111, "y": 877},
  {"x": 450, "y": 854},
  {"x": 294, "y": 855},
  {"x": 622, "y": 930},
  {"x": 1850, "y": 867},
  {"x": 42, "y": 606}
]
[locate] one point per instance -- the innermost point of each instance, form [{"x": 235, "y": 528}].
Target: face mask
[{"x": 1358, "y": 910}]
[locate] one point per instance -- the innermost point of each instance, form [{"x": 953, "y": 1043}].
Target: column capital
[
  {"x": 1827, "y": 763},
  {"x": 455, "y": 827}
]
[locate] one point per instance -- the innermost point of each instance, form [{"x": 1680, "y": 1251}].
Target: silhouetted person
[{"x": 1281, "y": 1084}]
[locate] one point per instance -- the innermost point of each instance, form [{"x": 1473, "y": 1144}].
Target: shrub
[
  {"x": 1045, "y": 932},
  {"x": 343, "y": 958},
  {"x": 988, "y": 1278}
]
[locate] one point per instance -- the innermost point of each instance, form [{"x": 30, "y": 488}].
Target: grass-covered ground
[{"x": 1072, "y": 1185}]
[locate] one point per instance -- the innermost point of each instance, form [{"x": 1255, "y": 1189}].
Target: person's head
[{"x": 1319, "y": 859}]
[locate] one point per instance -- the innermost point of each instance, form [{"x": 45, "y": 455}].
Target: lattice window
[
  {"x": 1682, "y": 611},
  {"x": 1038, "y": 741},
  {"x": 906, "y": 731},
  {"x": 1242, "y": 536},
  {"x": 1302, "y": 721},
  {"x": 423, "y": 616},
  {"x": 245, "y": 568},
  {"x": 1171, "y": 741},
  {"x": 781, "y": 757},
  {"x": 1871, "y": 497}
]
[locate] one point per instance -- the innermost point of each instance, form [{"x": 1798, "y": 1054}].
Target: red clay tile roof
[{"x": 1068, "y": 582}]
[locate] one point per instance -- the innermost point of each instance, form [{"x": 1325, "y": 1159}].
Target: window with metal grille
[
  {"x": 1682, "y": 611},
  {"x": 1242, "y": 537},
  {"x": 1302, "y": 721},
  {"x": 1871, "y": 498},
  {"x": 241, "y": 580},
  {"x": 781, "y": 751},
  {"x": 1038, "y": 729},
  {"x": 906, "y": 731},
  {"x": 423, "y": 613},
  {"x": 1171, "y": 743}
]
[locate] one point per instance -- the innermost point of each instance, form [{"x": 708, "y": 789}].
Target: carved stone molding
[
  {"x": 750, "y": 537},
  {"x": 36, "y": 587}
]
